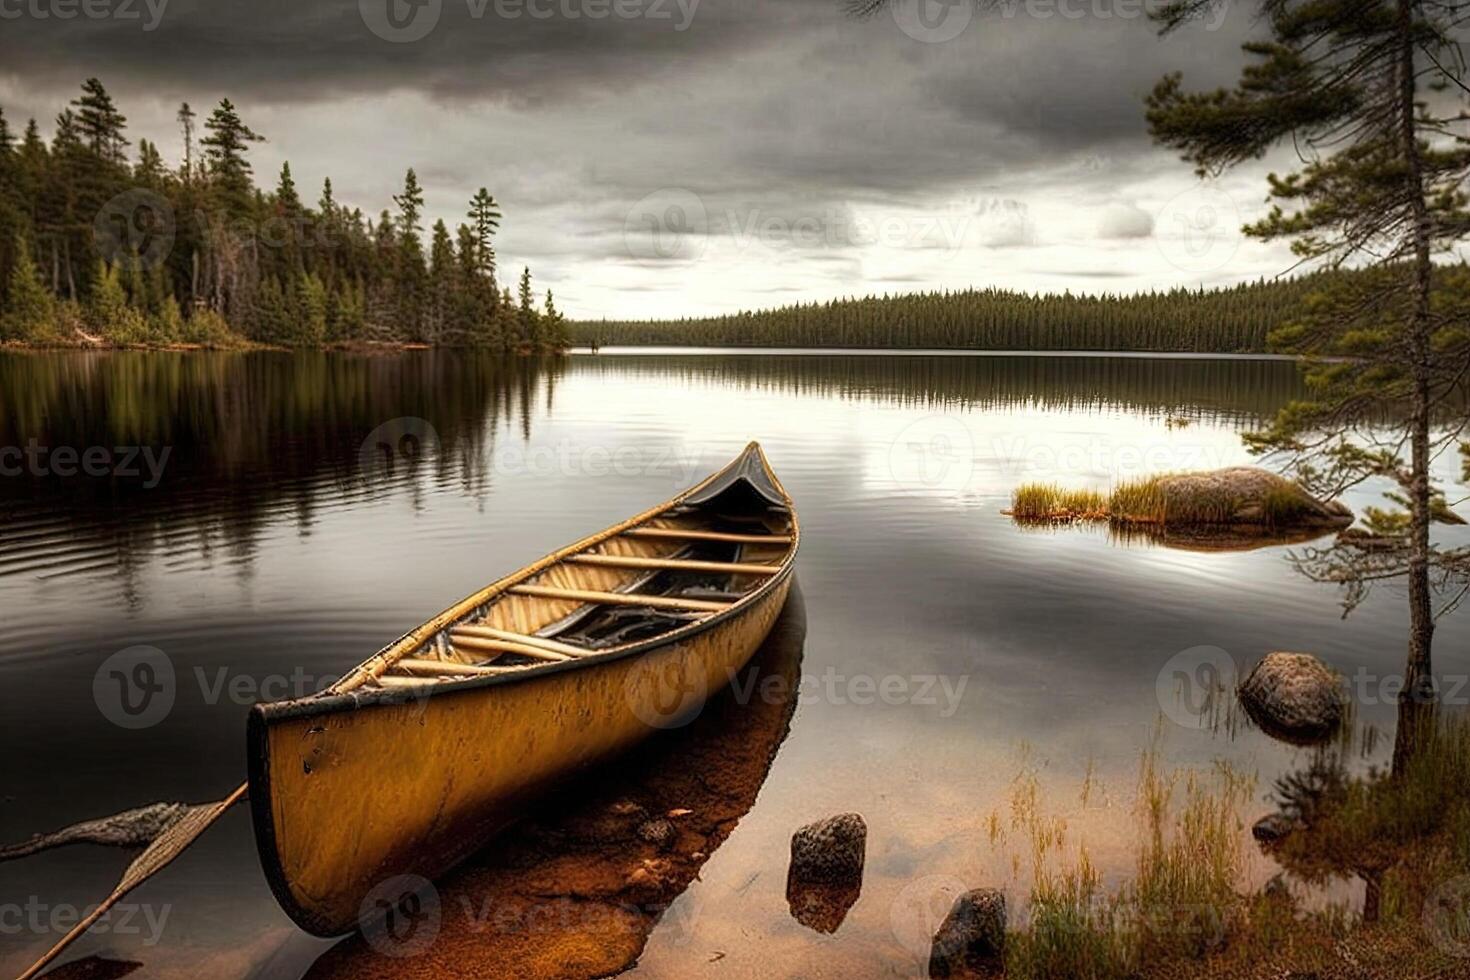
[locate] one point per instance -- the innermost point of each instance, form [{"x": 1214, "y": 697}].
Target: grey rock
[
  {"x": 660, "y": 833},
  {"x": 1294, "y": 697},
  {"x": 831, "y": 850},
  {"x": 1272, "y": 828},
  {"x": 972, "y": 939}
]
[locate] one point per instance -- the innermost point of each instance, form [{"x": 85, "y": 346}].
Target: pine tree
[
  {"x": 1346, "y": 81},
  {"x": 288, "y": 223},
  {"x": 528, "y": 321},
  {"x": 29, "y": 313},
  {"x": 440, "y": 327},
  {"x": 412, "y": 276},
  {"x": 485, "y": 219},
  {"x": 225, "y": 155},
  {"x": 100, "y": 124},
  {"x": 309, "y": 312},
  {"x": 108, "y": 312},
  {"x": 507, "y": 321},
  {"x": 554, "y": 329}
]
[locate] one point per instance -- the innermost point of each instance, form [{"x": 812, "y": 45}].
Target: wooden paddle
[{"x": 165, "y": 847}]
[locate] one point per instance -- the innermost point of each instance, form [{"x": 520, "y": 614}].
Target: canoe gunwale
[
  {"x": 365, "y": 697},
  {"x": 331, "y": 702}
]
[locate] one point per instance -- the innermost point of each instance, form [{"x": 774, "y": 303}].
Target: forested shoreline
[
  {"x": 1234, "y": 320},
  {"x": 101, "y": 248}
]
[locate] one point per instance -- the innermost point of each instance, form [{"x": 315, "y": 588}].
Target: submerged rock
[
  {"x": 1272, "y": 828},
  {"x": 972, "y": 939},
  {"x": 819, "y": 906},
  {"x": 660, "y": 833},
  {"x": 830, "y": 851},
  {"x": 1294, "y": 697}
]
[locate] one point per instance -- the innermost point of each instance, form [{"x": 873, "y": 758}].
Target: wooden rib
[
  {"x": 492, "y": 633},
  {"x": 682, "y": 564},
  {"x": 504, "y": 646},
  {"x": 679, "y": 534},
  {"x": 620, "y": 598},
  {"x": 448, "y": 667}
]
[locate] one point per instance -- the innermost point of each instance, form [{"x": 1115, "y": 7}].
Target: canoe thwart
[
  {"x": 675, "y": 564},
  {"x": 680, "y": 534},
  {"x": 619, "y": 598}
]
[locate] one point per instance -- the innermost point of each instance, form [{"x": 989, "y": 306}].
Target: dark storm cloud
[{"x": 789, "y": 123}]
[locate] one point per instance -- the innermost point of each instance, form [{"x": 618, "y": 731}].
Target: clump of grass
[
  {"x": 1181, "y": 905},
  {"x": 1150, "y": 501},
  {"x": 1049, "y": 502},
  {"x": 1183, "y": 911}
]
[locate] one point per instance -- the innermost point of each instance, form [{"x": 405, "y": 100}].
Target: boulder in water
[
  {"x": 1294, "y": 697},
  {"x": 830, "y": 851},
  {"x": 972, "y": 939}
]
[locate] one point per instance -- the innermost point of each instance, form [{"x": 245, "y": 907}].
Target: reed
[
  {"x": 1049, "y": 502},
  {"x": 1182, "y": 903},
  {"x": 1186, "y": 912}
]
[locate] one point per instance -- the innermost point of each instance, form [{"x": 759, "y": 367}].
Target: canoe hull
[{"x": 350, "y": 791}]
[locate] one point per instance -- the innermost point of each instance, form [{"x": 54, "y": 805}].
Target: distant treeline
[
  {"x": 1233, "y": 320},
  {"x": 96, "y": 245}
]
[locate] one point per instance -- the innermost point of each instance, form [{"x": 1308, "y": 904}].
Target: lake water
[{"x": 949, "y": 657}]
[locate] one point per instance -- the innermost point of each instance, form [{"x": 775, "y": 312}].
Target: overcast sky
[{"x": 668, "y": 157}]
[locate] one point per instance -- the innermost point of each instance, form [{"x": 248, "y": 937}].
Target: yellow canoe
[{"x": 427, "y": 749}]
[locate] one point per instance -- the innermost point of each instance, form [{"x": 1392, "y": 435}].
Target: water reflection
[{"x": 266, "y": 550}]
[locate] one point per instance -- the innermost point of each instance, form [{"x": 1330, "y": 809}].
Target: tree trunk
[{"x": 1418, "y": 677}]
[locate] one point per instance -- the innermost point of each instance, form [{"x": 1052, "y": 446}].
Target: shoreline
[{"x": 652, "y": 350}]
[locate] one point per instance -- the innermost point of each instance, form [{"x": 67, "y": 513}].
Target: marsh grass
[
  {"x": 1047, "y": 502},
  {"x": 1181, "y": 903},
  {"x": 1185, "y": 910}
]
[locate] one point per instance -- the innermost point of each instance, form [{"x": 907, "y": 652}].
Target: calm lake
[{"x": 238, "y": 515}]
